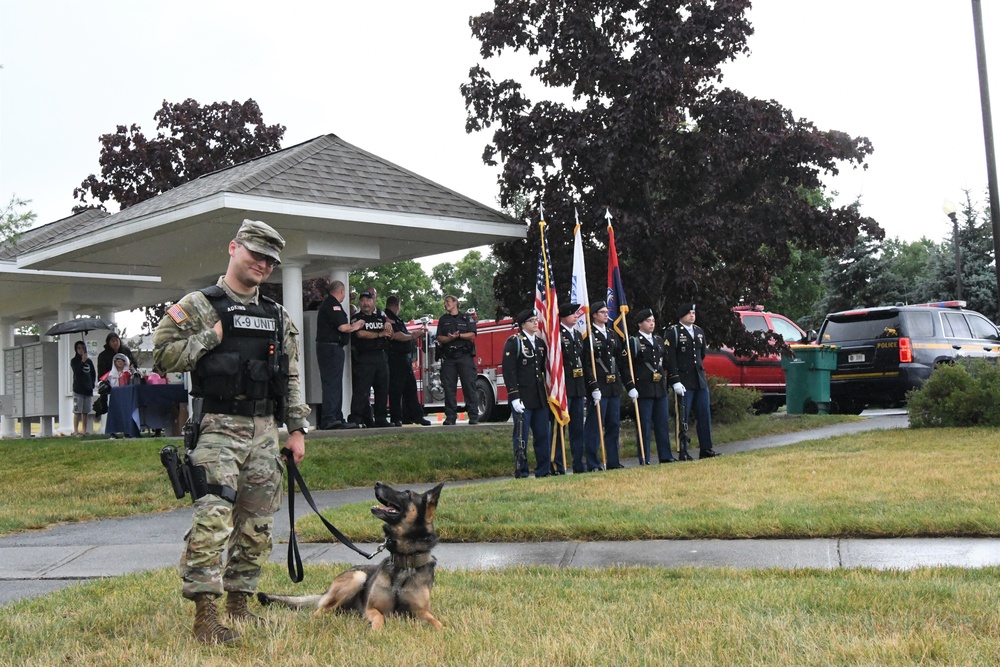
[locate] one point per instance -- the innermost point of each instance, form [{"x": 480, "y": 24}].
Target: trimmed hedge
[{"x": 966, "y": 393}]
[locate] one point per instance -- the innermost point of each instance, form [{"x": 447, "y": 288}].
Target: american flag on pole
[{"x": 547, "y": 309}]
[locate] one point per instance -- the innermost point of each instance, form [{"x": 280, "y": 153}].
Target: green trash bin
[{"x": 807, "y": 377}]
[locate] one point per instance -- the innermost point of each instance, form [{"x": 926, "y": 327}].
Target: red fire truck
[{"x": 490, "y": 338}]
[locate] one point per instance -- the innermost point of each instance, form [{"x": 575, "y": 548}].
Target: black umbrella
[{"x": 79, "y": 325}]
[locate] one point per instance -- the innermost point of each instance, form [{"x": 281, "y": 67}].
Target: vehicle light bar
[
  {"x": 942, "y": 304},
  {"x": 905, "y": 351}
]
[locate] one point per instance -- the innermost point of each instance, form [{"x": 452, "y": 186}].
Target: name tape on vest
[{"x": 255, "y": 323}]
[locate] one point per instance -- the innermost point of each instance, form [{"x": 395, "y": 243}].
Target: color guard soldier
[
  {"x": 686, "y": 348},
  {"x": 605, "y": 395},
  {"x": 649, "y": 381},
  {"x": 456, "y": 337},
  {"x": 576, "y": 387},
  {"x": 523, "y": 366}
]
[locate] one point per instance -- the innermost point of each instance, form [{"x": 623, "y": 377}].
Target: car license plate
[{"x": 856, "y": 358}]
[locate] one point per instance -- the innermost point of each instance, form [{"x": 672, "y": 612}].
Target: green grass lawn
[
  {"x": 900, "y": 482},
  {"x": 59, "y": 480},
  {"x": 546, "y": 616},
  {"x": 893, "y": 483}
]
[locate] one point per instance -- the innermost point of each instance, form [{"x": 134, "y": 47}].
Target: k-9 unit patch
[{"x": 255, "y": 323}]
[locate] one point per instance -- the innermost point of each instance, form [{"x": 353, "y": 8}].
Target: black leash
[{"x": 295, "y": 571}]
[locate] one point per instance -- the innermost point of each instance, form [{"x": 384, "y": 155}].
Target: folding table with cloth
[{"x": 144, "y": 407}]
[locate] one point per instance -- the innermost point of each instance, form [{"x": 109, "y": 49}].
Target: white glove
[
  {"x": 679, "y": 389},
  {"x": 633, "y": 393},
  {"x": 517, "y": 405},
  {"x": 596, "y": 395}
]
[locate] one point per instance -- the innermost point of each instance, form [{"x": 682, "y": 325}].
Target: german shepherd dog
[{"x": 402, "y": 582}]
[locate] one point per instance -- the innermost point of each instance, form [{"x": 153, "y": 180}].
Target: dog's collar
[{"x": 411, "y": 561}]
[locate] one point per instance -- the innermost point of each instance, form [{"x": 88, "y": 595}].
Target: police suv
[{"x": 884, "y": 352}]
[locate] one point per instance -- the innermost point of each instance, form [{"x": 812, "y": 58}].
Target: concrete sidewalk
[{"x": 36, "y": 563}]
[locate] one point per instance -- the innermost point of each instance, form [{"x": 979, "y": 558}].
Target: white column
[
  {"x": 7, "y": 328},
  {"x": 291, "y": 297},
  {"x": 46, "y": 425},
  {"x": 65, "y": 376},
  {"x": 342, "y": 275}
]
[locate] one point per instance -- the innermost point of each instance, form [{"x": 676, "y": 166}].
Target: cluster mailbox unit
[{"x": 31, "y": 382}]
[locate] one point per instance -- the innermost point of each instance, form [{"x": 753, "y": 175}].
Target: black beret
[
  {"x": 568, "y": 309},
  {"x": 644, "y": 315},
  {"x": 524, "y": 316},
  {"x": 683, "y": 310},
  {"x": 597, "y": 305}
]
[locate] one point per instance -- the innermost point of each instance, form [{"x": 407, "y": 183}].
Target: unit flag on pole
[{"x": 617, "y": 305}]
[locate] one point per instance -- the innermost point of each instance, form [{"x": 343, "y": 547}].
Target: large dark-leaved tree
[
  {"x": 710, "y": 190},
  {"x": 192, "y": 140}
]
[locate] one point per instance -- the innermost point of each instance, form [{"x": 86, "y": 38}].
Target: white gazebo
[{"x": 338, "y": 207}]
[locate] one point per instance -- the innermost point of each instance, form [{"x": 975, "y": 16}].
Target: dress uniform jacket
[
  {"x": 572, "y": 354},
  {"x": 685, "y": 356},
  {"x": 648, "y": 374},
  {"x": 524, "y": 370},
  {"x": 607, "y": 352}
]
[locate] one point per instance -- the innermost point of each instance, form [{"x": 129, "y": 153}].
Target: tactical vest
[
  {"x": 463, "y": 323},
  {"x": 399, "y": 346},
  {"x": 250, "y": 362},
  {"x": 374, "y": 323}
]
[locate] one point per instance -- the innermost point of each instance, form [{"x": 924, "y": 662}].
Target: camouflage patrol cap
[{"x": 260, "y": 237}]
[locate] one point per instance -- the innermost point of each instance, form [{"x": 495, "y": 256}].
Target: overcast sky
[{"x": 385, "y": 76}]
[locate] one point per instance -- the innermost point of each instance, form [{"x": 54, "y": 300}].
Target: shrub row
[{"x": 966, "y": 393}]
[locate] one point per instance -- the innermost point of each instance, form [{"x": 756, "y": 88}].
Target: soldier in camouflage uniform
[{"x": 224, "y": 334}]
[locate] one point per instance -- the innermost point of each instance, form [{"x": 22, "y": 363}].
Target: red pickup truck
[{"x": 763, "y": 373}]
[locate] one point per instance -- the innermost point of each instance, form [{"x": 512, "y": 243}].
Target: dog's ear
[{"x": 431, "y": 501}]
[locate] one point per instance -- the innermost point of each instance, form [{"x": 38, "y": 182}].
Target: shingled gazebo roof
[{"x": 338, "y": 207}]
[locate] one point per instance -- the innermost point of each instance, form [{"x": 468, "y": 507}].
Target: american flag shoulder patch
[{"x": 177, "y": 313}]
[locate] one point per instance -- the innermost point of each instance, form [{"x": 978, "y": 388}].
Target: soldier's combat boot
[
  {"x": 207, "y": 628},
  {"x": 236, "y": 608}
]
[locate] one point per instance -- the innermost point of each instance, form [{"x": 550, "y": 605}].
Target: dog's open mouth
[{"x": 385, "y": 509}]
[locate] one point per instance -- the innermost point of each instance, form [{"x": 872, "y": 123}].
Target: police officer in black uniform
[
  {"x": 333, "y": 333},
  {"x": 456, "y": 338},
  {"x": 686, "y": 348},
  {"x": 606, "y": 394},
  {"x": 371, "y": 367},
  {"x": 648, "y": 377},
  {"x": 404, "y": 404},
  {"x": 523, "y": 366},
  {"x": 576, "y": 387}
]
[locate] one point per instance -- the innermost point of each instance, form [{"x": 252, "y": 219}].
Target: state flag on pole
[
  {"x": 547, "y": 309},
  {"x": 617, "y": 305},
  {"x": 578, "y": 292}
]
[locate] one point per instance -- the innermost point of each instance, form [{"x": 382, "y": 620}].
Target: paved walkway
[{"x": 36, "y": 563}]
